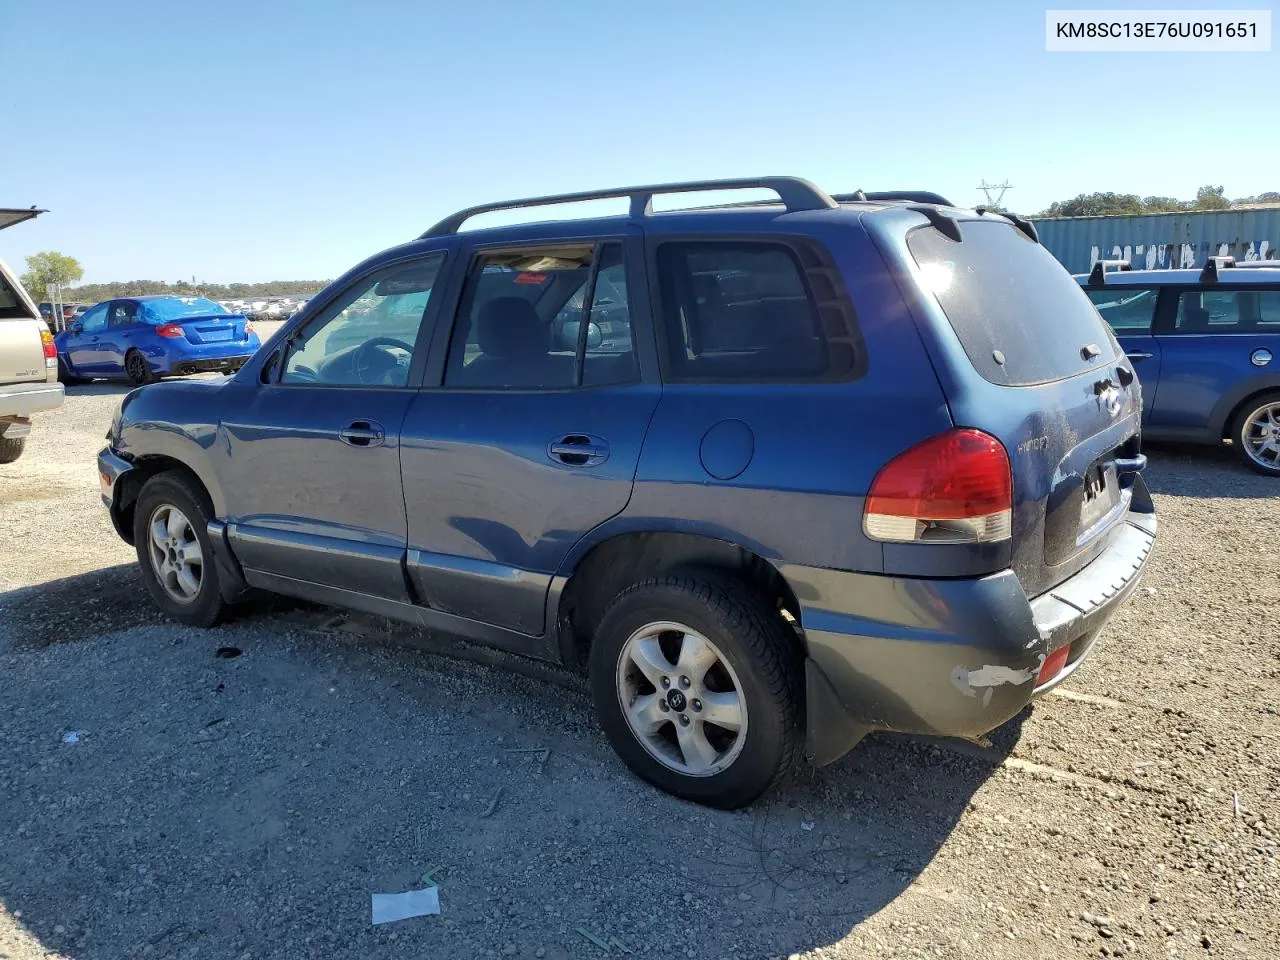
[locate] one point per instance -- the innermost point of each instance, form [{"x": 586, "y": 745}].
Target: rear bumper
[
  {"x": 204, "y": 357},
  {"x": 229, "y": 364},
  {"x": 953, "y": 657},
  {"x": 24, "y": 399},
  {"x": 111, "y": 469}
]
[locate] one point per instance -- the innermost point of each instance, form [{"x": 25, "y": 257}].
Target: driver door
[
  {"x": 83, "y": 342},
  {"x": 313, "y": 452}
]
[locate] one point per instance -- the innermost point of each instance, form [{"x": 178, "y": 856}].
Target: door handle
[
  {"x": 1139, "y": 355},
  {"x": 363, "y": 433},
  {"x": 578, "y": 450}
]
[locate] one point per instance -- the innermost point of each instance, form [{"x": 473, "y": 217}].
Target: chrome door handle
[
  {"x": 1139, "y": 355},
  {"x": 578, "y": 450},
  {"x": 363, "y": 433}
]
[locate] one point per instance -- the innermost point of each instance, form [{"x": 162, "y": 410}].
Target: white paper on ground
[{"x": 389, "y": 907}]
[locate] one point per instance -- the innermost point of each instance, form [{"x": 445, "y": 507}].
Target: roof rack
[
  {"x": 796, "y": 194},
  {"x": 1098, "y": 275},
  {"x": 1211, "y": 267},
  {"x": 1252, "y": 264},
  {"x": 914, "y": 196}
]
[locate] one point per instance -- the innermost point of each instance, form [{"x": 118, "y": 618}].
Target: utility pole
[{"x": 995, "y": 200}]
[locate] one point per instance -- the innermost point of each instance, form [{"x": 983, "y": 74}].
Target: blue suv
[
  {"x": 1204, "y": 343},
  {"x": 775, "y": 475}
]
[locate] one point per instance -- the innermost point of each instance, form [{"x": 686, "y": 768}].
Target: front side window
[
  {"x": 1126, "y": 309},
  {"x": 95, "y": 320},
  {"x": 368, "y": 337},
  {"x": 742, "y": 312},
  {"x": 1228, "y": 311},
  {"x": 524, "y": 323}
]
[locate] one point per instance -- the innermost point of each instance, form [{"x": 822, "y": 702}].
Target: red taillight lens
[
  {"x": 955, "y": 487},
  {"x": 1053, "y": 665},
  {"x": 46, "y": 338},
  {"x": 171, "y": 330}
]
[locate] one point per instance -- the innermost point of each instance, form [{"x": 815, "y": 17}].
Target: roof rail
[
  {"x": 913, "y": 196},
  {"x": 796, "y": 194},
  {"x": 1272, "y": 264},
  {"x": 1098, "y": 275},
  {"x": 1211, "y": 267}
]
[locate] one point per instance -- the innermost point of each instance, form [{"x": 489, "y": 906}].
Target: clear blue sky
[{"x": 270, "y": 140}]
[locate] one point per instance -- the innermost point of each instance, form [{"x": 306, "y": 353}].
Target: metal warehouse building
[{"x": 1163, "y": 240}]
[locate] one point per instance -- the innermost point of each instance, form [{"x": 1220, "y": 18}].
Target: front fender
[{"x": 177, "y": 421}]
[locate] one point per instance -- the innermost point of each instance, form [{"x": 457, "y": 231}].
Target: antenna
[{"x": 994, "y": 192}]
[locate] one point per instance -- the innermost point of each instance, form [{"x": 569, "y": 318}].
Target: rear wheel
[
  {"x": 137, "y": 369},
  {"x": 175, "y": 557},
  {"x": 11, "y": 448},
  {"x": 1256, "y": 434},
  {"x": 696, "y": 682}
]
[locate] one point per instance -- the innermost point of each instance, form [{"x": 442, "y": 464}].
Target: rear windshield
[
  {"x": 1008, "y": 299},
  {"x": 175, "y": 308}
]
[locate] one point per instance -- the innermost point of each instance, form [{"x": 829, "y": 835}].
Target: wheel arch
[
  {"x": 132, "y": 482},
  {"x": 1229, "y": 407},
  {"x": 599, "y": 569}
]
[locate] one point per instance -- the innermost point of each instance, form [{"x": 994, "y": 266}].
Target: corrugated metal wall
[{"x": 1164, "y": 240}]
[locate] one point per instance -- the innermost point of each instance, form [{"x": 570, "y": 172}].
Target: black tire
[
  {"x": 11, "y": 448},
  {"x": 760, "y": 647},
  {"x": 137, "y": 370},
  {"x": 176, "y": 489},
  {"x": 65, "y": 377},
  {"x": 1237, "y": 433}
]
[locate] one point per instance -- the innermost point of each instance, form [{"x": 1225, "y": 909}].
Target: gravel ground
[{"x": 248, "y": 806}]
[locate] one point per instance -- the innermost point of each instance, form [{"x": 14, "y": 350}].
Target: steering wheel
[{"x": 362, "y": 361}]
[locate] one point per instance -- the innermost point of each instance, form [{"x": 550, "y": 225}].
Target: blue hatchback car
[
  {"x": 1204, "y": 344},
  {"x": 144, "y": 338},
  {"x": 775, "y": 475}
]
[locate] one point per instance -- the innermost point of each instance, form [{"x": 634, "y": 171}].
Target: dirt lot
[{"x": 249, "y": 806}]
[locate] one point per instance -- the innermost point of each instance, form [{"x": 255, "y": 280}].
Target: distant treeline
[{"x": 95, "y": 292}]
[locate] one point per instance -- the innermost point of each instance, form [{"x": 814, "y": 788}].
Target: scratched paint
[
  {"x": 1163, "y": 241},
  {"x": 987, "y": 678}
]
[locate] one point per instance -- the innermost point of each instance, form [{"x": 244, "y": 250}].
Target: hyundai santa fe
[{"x": 775, "y": 475}]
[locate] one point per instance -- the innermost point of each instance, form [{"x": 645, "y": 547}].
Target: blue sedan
[{"x": 144, "y": 338}]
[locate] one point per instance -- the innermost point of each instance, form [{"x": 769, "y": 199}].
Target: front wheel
[
  {"x": 697, "y": 684},
  {"x": 11, "y": 448},
  {"x": 137, "y": 369},
  {"x": 1256, "y": 434},
  {"x": 175, "y": 556}
]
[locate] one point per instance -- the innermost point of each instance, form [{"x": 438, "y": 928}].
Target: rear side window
[
  {"x": 11, "y": 305},
  {"x": 744, "y": 312},
  {"x": 1126, "y": 309},
  {"x": 1008, "y": 299},
  {"x": 1228, "y": 311}
]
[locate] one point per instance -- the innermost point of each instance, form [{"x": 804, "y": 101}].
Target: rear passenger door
[
  {"x": 1211, "y": 343},
  {"x": 1131, "y": 313},
  {"x": 533, "y": 436}
]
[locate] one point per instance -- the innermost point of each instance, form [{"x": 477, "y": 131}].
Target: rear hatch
[
  {"x": 1052, "y": 385},
  {"x": 21, "y": 347}
]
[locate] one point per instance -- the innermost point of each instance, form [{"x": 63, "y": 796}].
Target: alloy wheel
[
  {"x": 175, "y": 553},
  {"x": 1261, "y": 436},
  {"x": 682, "y": 699}
]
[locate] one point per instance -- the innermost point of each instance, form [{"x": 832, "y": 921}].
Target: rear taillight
[
  {"x": 952, "y": 488},
  {"x": 1053, "y": 665},
  {"x": 171, "y": 330},
  {"x": 46, "y": 338}
]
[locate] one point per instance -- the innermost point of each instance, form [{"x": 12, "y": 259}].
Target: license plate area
[{"x": 1100, "y": 493}]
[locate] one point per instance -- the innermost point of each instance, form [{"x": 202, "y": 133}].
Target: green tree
[
  {"x": 1211, "y": 198},
  {"x": 1162, "y": 205},
  {"x": 1096, "y": 205},
  {"x": 48, "y": 269}
]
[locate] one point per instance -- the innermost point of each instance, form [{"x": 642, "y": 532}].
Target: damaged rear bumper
[{"x": 947, "y": 657}]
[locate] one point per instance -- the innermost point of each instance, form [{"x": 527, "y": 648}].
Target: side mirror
[
  {"x": 75, "y": 328},
  {"x": 595, "y": 336}
]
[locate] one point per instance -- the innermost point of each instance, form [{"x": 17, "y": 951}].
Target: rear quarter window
[
  {"x": 1004, "y": 293},
  {"x": 11, "y": 304}
]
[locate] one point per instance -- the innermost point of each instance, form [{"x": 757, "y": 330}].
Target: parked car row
[
  {"x": 775, "y": 476},
  {"x": 266, "y": 309}
]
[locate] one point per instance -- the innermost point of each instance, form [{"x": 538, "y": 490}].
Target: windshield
[{"x": 175, "y": 308}]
